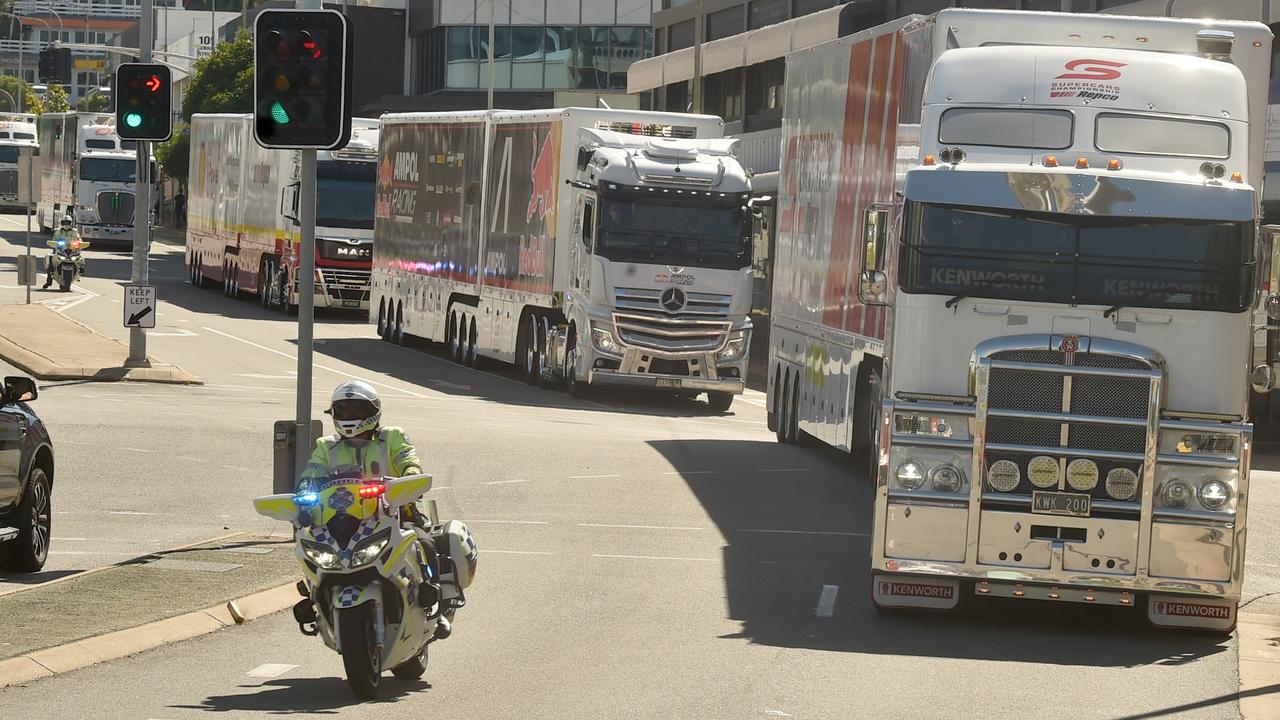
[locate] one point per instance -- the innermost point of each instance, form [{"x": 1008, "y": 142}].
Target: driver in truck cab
[
  {"x": 66, "y": 235},
  {"x": 363, "y": 447}
]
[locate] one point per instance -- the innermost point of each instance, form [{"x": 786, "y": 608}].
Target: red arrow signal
[{"x": 153, "y": 83}]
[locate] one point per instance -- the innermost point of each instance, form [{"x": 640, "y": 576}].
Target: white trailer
[
  {"x": 589, "y": 246},
  {"x": 87, "y": 172},
  {"x": 17, "y": 143},
  {"x": 242, "y": 215},
  {"x": 1030, "y": 291}
]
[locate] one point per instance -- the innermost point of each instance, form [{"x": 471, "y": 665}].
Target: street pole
[
  {"x": 306, "y": 293},
  {"x": 141, "y": 199},
  {"x": 696, "y": 105},
  {"x": 493, "y": 11},
  {"x": 31, "y": 157}
]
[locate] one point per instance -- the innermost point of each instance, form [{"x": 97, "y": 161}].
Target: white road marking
[
  {"x": 318, "y": 365},
  {"x": 177, "y": 332},
  {"x": 189, "y": 458},
  {"x": 134, "y": 449},
  {"x": 692, "y": 472},
  {"x": 655, "y": 557},
  {"x": 506, "y": 522},
  {"x": 827, "y": 601},
  {"x": 504, "y": 482},
  {"x": 264, "y": 376},
  {"x": 590, "y": 477},
  {"x": 803, "y": 532},
  {"x": 131, "y": 512},
  {"x": 777, "y": 713},
  {"x": 636, "y": 527},
  {"x": 782, "y": 470},
  {"x": 515, "y": 552},
  {"x": 270, "y": 670},
  {"x": 237, "y": 468}
]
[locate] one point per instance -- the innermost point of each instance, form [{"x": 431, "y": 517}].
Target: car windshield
[
  {"x": 108, "y": 169},
  {"x": 710, "y": 233},
  {"x": 345, "y": 194},
  {"x": 1078, "y": 260}
]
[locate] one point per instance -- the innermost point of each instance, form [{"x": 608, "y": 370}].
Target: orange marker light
[
  {"x": 1082, "y": 163},
  {"x": 1113, "y": 164},
  {"x": 1237, "y": 177},
  {"x": 929, "y": 160},
  {"x": 1051, "y": 161}
]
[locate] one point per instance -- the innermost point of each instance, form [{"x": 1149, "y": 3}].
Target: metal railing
[{"x": 85, "y": 9}]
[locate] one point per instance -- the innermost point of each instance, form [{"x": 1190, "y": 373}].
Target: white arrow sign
[{"x": 140, "y": 306}]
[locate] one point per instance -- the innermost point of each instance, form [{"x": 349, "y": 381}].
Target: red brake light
[{"x": 371, "y": 491}]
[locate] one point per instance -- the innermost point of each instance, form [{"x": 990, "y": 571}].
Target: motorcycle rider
[
  {"x": 66, "y": 235},
  {"x": 363, "y": 447}
]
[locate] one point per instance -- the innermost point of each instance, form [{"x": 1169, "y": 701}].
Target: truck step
[{"x": 8, "y": 533}]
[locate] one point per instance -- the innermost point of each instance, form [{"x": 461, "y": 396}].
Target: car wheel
[{"x": 28, "y": 551}]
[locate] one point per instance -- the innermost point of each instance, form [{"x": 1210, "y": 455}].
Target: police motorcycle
[
  {"x": 67, "y": 261},
  {"x": 368, "y": 590}
]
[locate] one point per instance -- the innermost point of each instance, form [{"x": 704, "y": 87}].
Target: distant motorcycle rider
[
  {"x": 362, "y": 447},
  {"x": 68, "y": 235}
]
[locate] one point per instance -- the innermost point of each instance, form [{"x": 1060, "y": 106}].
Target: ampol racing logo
[{"x": 1088, "y": 79}]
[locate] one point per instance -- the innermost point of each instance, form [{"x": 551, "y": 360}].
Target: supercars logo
[{"x": 1088, "y": 79}]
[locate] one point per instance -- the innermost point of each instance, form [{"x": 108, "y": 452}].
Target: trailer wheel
[
  {"x": 202, "y": 282},
  {"x": 264, "y": 272},
  {"x": 456, "y": 322},
  {"x": 577, "y": 389},
  {"x": 382, "y": 319},
  {"x": 398, "y": 330},
  {"x": 531, "y": 366},
  {"x": 472, "y": 353},
  {"x": 780, "y": 404}
]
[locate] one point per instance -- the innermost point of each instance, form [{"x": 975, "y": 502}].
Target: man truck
[
  {"x": 242, "y": 215},
  {"x": 1029, "y": 291},
  {"x": 87, "y": 172},
  {"x": 586, "y": 246}
]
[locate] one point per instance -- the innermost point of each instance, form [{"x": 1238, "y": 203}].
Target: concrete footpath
[
  {"x": 52, "y": 346},
  {"x": 120, "y": 610}
]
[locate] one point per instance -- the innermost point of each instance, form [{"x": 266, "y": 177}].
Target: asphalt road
[{"x": 640, "y": 558}]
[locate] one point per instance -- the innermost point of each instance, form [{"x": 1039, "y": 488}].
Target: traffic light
[
  {"x": 143, "y": 102},
  {"x": 55, "y": 65},
  {"x": 302, "y": 79}
]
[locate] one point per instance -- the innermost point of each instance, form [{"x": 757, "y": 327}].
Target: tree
[
  {"x": 98, "y": 102},
  {"x": 56, "y": 100},
  {"x": 10, "y": 85},
  {"x": 221, "y": 82}
]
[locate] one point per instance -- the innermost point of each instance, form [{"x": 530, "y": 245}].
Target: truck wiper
[
  {"x": 952, "y": 302},
  {"x": 1165, "y": 292}
]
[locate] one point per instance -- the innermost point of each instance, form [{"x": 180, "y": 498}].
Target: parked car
[{"x": 26, "y": 479}]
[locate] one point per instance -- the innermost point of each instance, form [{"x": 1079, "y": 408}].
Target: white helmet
[
  {"x": 355, "y": 407},
  {"x": 66, "y": 222}
]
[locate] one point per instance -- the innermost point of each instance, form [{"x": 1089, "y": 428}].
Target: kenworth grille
[
  {"x": 115, "y": 208},
  {"x": 9, "y": 183}
]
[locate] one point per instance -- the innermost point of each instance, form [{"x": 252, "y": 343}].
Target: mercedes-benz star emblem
[{"x": 673, "y": 299}]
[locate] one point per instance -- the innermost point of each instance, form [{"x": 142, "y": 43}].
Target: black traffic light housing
[
  {"x": 55, "y": 65},
  {"x": 143, "y": 96},
  {"x": 302, "y": 79}
]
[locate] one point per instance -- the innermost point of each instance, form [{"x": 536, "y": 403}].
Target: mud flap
[
  {"x": 1170, "y": 611},
  {"x": 915, "y": 592}
]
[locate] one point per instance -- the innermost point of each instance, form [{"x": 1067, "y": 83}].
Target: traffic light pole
[
  {"x": 141, "y": 199},
  {"x": 306, "y": 292}
]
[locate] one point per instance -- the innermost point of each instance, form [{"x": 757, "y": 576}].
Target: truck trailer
[
  {"x": 586, "y": 246},
  {"x": 17, "y": 146},
  {"x": 242, "y": 215},
  {"x": 1030, "y": 291},
  {"x": 87, "y": 172}
]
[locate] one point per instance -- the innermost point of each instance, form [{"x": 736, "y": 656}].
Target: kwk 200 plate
[{"x": 1060, "y": 503}]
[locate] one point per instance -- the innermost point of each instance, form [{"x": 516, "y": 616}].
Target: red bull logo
[
  {"x": 543, "y": 174},
  {"x": 385, "y": 173},
  {"x": 532, "y": 255}
]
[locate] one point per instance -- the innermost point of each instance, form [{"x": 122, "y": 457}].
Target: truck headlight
[
  {"x": 910, "y": 475},
  {"x": 1214, "y": 494},
  {"x": 1176, "y": 495},
  {"x": 1004, "y": 475},
  {"x": 946, "y": 478},
  {"x": 604, "y": 341},
  {"x": 734, "y": 348},
  {"x": 321, "y": 555}
]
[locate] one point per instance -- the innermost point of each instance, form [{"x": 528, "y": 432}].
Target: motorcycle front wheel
[
  {"x": 414, "y": 667},
  {"x": 67, "y": 276},
  {"x": 361, "y": 656}
]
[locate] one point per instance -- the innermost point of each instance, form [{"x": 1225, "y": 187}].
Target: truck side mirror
[
  {"x": 1263, "y": 379},
  {"x": 872, "y": 281},
  {"x": 289, "y": 202}
]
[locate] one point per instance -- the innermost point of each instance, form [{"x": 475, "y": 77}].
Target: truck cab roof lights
[
  {"x": 1051, "y": 161},
  {"x": 1114, "y": 164},
  {"x": 1213, "y": 171},
  {"x": 930, "y": 160},
  {"x": 1237, "y": 177},
  {"x": 1082, "y": 163}
]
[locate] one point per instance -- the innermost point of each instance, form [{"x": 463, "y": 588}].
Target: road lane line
[
  {"x": 516, "y": 552},
  {"x": 656, "y": 557},
  {"x": 504, "y": 482},
  {"x": 318, "y": 365},
  {"x": 782, "y": 470},
  {"x": 131, "y": 512},
  {"x": 137, "y": 450},
  {"x": 591, "y": 477},
  {"x": 827, "y": 601},
  {"x": 692, "y": 472},
  {"x": 506, "y": 522},
  {"x": 636, "y": 527},
  {"x": 270, "y": 670},
  {"x": 804, "y": 532}
]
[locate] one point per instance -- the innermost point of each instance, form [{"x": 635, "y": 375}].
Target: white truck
[
  {"x": 585, "y": 246},
  {"x": 17, "y": 141},
  {"x": 242, "y": 215},
  {"x": 1030, "y": 290},
  {"x": 87, "y": 172}
]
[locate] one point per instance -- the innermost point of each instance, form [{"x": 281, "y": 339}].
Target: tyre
[
  {"x": 202, "y": 282},
  {"x": 382, "y": 320},
  {"x": 720, "y": 401},
  {"x": 576, "y": 388},
  {"x": 398, "y": 329},
  {"x": 414, "y": 667},
  {"x": 866, "y": 456},
  {"x": 361, "y": 656},
  {"x": 796, "y": 435},
  {"x": 471, "y": 353},
  {"x": 28, "y": 551},
  {"x": 531, "y": 366},
  {"x": 458, "y": 347},
  {"x": 782, "y": 404},
  {"x": 264, "y": 293},
  {"x": 65, "y": 277}
]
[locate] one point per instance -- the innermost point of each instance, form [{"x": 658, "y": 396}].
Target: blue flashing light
[{"x": 306, "y": 499}]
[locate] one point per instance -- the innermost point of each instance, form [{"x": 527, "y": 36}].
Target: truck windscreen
[
  {"x": 345, "y": 194},
  {"x": 8, "y": 154},
  {"x": 660, "y": 232},
  {"x": 108, "y": 169},
  {"x": 1171, "y": 263}
]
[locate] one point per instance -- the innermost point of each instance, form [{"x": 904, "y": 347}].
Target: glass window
[
  {"x": 584, "y": 63},
  {"x": 345, "y": 194},
  {"x": 501, "y": 56},
  {"x": 1041, "y": 129},
  {"x": 93, "y": 144},
  {"x": 724, "y": 23},
  {"x": 461, "y": 58},
  {"x": 675, "y": 230},
  {"x": 557, "y": 45},
  {"x": 1143, "y": 135},
  {"x": 1056, "y": 5},
  {"x": 724, "y": 94},
  {"x": 8, "y": 154},
  {"x": 766, "y": 12},
  {"x": 107, "y": 170},
  {"x": 680, "y": 36},
  {"x": 526, "y": 57},
  {"x": 804, "y": 7},
  {"x": 1077, "y": 259},
  {"x": 626, "y": 45}
]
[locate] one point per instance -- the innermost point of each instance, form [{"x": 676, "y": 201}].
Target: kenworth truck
[
  {"x": 586, "y": 246},
  {"x": 242, "y": 215},
  {"x": 87, "y": 172},
  {"x": 1029, "y": 289},
  {"x": 17, "y": 141}
]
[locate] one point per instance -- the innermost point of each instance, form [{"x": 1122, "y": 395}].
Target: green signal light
[
  {"x": 278, "y": 113},
  {"x": 133, "y": 120}
]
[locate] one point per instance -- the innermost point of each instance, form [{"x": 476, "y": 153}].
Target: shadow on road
[
  {"x": 302, "y": 695},
  {"x": 797, "y": 519}
]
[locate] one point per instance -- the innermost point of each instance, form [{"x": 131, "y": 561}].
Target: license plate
[
  {"x": 351, "y": 303},
  {"x": 1060, "y": 503},
  {"x": 669, "y": 382}
]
